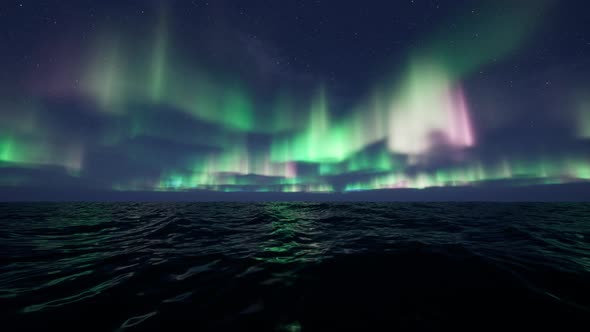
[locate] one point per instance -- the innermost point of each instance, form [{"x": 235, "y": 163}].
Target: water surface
[{"x": 294, "y": 266}]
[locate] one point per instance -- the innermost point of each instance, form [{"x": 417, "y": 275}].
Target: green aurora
[{"x": 390, "y": 139}]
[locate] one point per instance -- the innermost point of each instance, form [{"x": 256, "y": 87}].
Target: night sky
[{"x": 419, "y": 99}]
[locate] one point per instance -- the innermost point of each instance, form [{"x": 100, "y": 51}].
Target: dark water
[{"x": 295, "y": 266}]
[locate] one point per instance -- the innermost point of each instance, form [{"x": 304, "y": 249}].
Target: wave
[{"x": 295, "y": 266}]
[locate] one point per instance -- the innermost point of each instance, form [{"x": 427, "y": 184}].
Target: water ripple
[{"x": 226, "y": 265}]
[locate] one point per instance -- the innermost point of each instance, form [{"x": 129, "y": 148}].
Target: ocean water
[{"x": 294, "y": 266}]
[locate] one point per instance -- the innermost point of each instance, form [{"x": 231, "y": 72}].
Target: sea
[{"x": 294, "y": 266}]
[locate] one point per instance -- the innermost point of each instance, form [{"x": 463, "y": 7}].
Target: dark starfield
[{"x": 128, "y": 98}]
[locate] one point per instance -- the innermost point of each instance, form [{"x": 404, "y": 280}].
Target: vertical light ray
[
  {"x": 583, "y": 119},
  {"x": 428, "y": 111},
  {"x": 159, "y": 59},
  {"x": 7, "y": 152},
  {"x": 237, "y": 108},
  {"x": 283, "y": 113},
  {"x": 460, "y": 127},
  {"x": 105, "y": 79}
]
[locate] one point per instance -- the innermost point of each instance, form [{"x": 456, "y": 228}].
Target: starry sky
[{"x": 377, "y": 100}]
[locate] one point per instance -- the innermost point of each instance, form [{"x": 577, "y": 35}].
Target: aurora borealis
[{"x": 180, "y": 96}]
